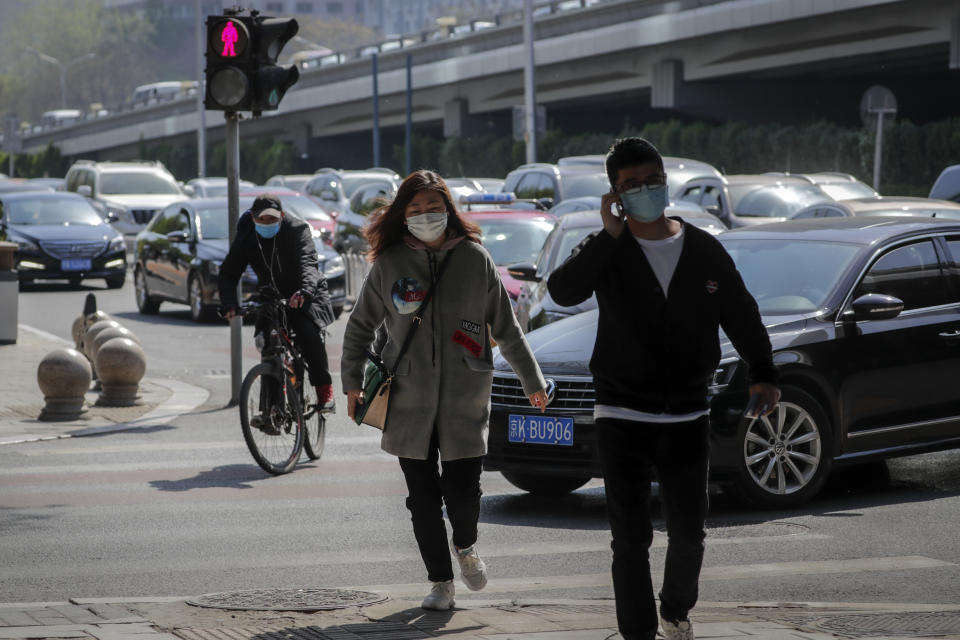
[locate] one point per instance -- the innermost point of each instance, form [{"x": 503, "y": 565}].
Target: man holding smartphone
[{"x": 664, "y": 289}]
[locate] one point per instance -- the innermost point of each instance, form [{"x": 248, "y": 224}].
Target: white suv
[{"x": 128, "y": 194}]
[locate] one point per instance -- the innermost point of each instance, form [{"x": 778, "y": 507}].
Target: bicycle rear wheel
[
  {"x": 272, "y": 420},
  {"x": 315, "y": 424}
]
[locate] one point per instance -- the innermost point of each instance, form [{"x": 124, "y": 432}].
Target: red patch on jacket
[
  {"x": 467, "y": 342},
  {"x": 712, "y": 286}
]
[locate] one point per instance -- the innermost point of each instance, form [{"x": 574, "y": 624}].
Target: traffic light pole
[{"x": 233, "y": 215}]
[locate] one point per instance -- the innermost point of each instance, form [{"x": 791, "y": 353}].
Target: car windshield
[
  {"x": 66, "y": 211},
  {"x": 779, "y": 201},
  {"x": 215, "y": 191},
  {"x": 848, "y": 190},
  {"x": 213, "y": 223},
  {"x": 352, "y": 183},
  {"x": 570, "y": 238},
  {"x": 591, "y": 184},
  {"x": 303, "y": 207},
  {"x": 296, "y": 184},
  {"x": 512, "y": 241},
  {"x": 137, "y": 182},
  {"x": 790, "y": 276}
]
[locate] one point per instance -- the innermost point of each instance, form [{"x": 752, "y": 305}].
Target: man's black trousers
[
  {"x": 456, "y": 483},
  {"x": 629, "y": 453}
]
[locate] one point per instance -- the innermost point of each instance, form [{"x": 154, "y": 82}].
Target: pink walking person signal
[{"x": 229, "y": 37}]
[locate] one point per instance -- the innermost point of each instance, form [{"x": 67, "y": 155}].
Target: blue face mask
[
  {"x": 267, "y": 230},
  {"x": 645, "y": 204}
]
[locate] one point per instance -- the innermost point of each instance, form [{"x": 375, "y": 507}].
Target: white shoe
[
  {"x": 683, "y": 630},
  {"x": 473, "y": 571},
  {"x": 440, "y": 597}
]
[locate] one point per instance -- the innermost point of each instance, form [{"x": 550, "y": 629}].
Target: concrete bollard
[
  {"x": 120, "y": 365},
  {"x": 90, "y": 319},
  {"x": 77, "y": 331},
  {"x": 64, "y": 377},
  {"x": 91, "y": 335}
]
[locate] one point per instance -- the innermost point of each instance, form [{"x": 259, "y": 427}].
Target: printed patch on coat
[
  {"x": 472, "y": 327},
  {"x": 712, "y": 286},
  {"x": 467, "y": 342},
  {"x": 407, "y": 295}
]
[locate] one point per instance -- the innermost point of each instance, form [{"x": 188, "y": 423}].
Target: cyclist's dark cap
[{"x": 266, "y": 207}]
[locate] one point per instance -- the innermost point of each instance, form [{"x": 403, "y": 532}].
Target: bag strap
[{"x": 418, "y": 316}]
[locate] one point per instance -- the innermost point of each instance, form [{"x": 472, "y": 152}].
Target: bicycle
[{"x": 280, "y": 415}]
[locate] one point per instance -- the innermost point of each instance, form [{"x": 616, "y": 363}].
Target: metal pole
[
  {"x": 409, "y": 135},
  {"x": 201, "y": 91},
  {"x": 63, "y": 86},
  {"x": 11, "y": 174},
  {"x": 877, "y": 151},
  {"x": 529, "y": 91},
  {"x": 376, "y": 115},
  {"x": 233, "y": 214}
]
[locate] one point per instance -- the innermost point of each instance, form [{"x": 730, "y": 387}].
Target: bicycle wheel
[
  {"x": 272, "y": 420},
  {"x": 315, "y": 424}
]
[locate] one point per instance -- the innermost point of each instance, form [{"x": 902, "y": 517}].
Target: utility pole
[
  {"x": 529, "y": 90},
  {"x": 409, "y": 130},
  {"x": 233, "y": 215},
  {"x": 376, "y": 113},
  {"x": 201, "y": 91}
]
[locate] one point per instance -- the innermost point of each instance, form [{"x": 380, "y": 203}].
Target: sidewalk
[
  {"x": 175, "y": 619},
  {"x": 21, "y": 399}
]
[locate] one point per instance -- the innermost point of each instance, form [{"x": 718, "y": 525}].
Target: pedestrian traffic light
[
  {"x": 272, "y": 79},
  {"x": 230, "y": 63}
]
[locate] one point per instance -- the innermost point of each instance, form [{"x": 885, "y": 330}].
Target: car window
[
  {"x": 911, "y": 273},
  {"x": 568, "y": 241},
  {"x": 848, "y": 190},
  {"x": 546, "y": 187},
  {"x": 88, "y": 178},
  {"x": 512, "y": 241},
  {"x": 527, "y": 187},
  {"x": 809, "y": 213},
  {"x": 73, "y": 181},
  {"x": 135, "y": 182},
  {"x": 370, "y": 197},
  {"x": 691, "y": 193},
  {"x": 711, "y": 196},
  {"x": 595, "y": 184},
  {"x": 170, "y": 219},
  {"x": 213, "y": 223}
]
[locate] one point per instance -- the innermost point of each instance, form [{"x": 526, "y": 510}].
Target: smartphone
[{"x": 755, "y": 407}]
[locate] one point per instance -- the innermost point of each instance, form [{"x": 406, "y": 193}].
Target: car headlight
[
  {"x": 723, "y": 375},
  {"x": 116, "y": 245},
  {"x": 334, "y": 267},
  {"x": 117, "y": 212}
]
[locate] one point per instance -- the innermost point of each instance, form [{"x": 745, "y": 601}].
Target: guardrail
[{"x": 357, "y": 267}]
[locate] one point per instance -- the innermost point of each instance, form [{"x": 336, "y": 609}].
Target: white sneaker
[
  {"x": 473, "y": 571},
  {"x": 682, "y": 630},
  {"x": 440, "y": 597}
]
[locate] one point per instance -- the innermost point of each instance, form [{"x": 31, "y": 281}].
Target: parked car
[
  {"x": 535, "y": 307},
  {"x": 571, "y": 205},
  {"x": 334, "y": 188},
  {"x": 211, "y": 187},
  {"x": 947, "y": 186},
  {"x": 551, "y": 184},
  {"x": 839, "y": 186},
  {"x": 678, "y": 170},
  {"x": 61, "y": 236},
  {"x": 882, "y": 206},
  {"x": 741, "y": 200},
  {"x": 294, "y": 182},
  {"x": 178, "y": 257},
  {"x": 511, "y": 237},
  {"x": 129, "y": 192},
  {"x": 56, "y": 184},
  {"x": 863, "y": 319},
  {"x": 21, "y": 186}
]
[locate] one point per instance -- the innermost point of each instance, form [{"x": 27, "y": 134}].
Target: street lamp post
[{"x": 63, "y": 70}]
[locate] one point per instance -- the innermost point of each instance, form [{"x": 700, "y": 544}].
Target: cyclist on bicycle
[{"x": 280, "y": 250}]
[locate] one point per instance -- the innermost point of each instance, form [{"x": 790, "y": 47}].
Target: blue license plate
[
  {"x": 541, "y": 430},
  {"x": 84, "y": 264}
]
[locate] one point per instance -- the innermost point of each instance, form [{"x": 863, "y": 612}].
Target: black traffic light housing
[{"x": 242, "y": 73}]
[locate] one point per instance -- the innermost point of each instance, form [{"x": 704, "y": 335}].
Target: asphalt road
[{"x": 183, "y": 510}]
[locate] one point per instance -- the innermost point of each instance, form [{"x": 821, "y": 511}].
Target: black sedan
[
  {"x": 178, "y": 256},
  {"x": 60, "y": 236},
  {"x": 864, "y": 318}
]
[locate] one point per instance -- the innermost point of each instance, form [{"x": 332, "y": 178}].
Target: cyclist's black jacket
[
  {"x": 294, "y": 258},
  {"x": 653, "y": 353}
]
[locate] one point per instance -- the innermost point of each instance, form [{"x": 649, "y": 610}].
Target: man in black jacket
[
  {"x": 663, "y": 288},
  {"x": 280, "y": 250}
]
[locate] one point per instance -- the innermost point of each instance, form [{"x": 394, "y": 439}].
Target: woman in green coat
[{"x": 440, "y": 395}]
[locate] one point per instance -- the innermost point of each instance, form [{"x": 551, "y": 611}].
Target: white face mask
[{"x": 427, "y": 227}]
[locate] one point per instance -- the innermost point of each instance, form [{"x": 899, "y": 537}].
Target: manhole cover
[
  {"x": 885, "y": 624},
  {"x": 363, "y": 631},
  {"x": 287, "y": 599}
]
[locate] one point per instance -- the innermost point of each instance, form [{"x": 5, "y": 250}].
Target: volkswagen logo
[{"x": 551, "y": 391}]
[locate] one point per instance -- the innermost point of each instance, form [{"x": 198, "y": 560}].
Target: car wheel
[
  {"x": 784, "y": 458},
  {"x": 199, "y": 312},
  {"x": 545, "y": 485},
  {"x": 146, "y": 303},
  {"x": 116, "y": 282}
]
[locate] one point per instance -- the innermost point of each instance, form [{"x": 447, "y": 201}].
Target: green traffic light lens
[{"x": 229, "y": 86}]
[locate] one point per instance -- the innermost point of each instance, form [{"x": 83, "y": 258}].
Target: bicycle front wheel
[
  {"x": 315, "y": 424},
  {"x": 272, "y": 420}
]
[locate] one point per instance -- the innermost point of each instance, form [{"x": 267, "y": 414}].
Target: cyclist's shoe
[
  {"x": 440, "y": 597},
  {"x": 325, "y": 398},
  {"x": 263, "y": 424}
]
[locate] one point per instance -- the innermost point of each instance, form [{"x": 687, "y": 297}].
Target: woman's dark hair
[
  {"x": 386, "y": 225},
  {"x": 630, "y": 152}
]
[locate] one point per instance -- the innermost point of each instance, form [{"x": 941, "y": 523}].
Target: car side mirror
[
  {"x": 110, "y": 217},
  {"x": 545, "y": 203},
  {"x": 524, "y": 271},
  {"x": 189, "y": 190},
  {"x": 874, "y": 306},
  {"x": 85, "y": 190},
  {"x": 178, "y": 236}
]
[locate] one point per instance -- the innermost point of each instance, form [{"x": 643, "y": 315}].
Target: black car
[
  {"x": 178, "y": 256},
  {"x": 60, "y": 236},
  {"x": 864, "y": 318}
]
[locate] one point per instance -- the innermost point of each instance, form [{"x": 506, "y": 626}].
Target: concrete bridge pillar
[
  {"x": 665, "y": 90},
  {"x": 955, "y": 42},
  {"x": 457, "y": 120}
]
